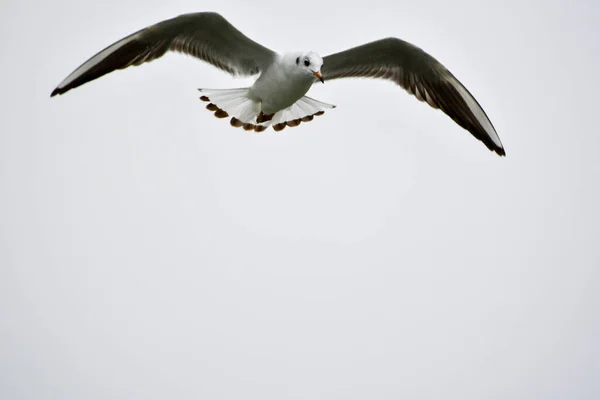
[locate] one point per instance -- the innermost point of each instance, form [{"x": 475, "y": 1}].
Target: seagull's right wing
[
  {"x": 206, "y": 35},
  {"x": 419, "y": 74}
]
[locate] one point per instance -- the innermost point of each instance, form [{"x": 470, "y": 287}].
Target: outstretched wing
[
  {"x": 207, "y": 36},
  {"x": 420, "y": 75}
]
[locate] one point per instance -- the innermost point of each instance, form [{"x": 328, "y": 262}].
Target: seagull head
[{"x": 310, "y": 64}]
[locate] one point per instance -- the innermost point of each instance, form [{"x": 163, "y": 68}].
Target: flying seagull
[{"x": 278, "y": 97}]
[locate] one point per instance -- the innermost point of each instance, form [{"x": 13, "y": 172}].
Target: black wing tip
[
  {"x": 57, "y": 91},
  {"x": 64, "y": 89},
  {"x": 493, "y": 147},
  {"x": 500, "y": 151},
  {"x": 489, "y": 143}
]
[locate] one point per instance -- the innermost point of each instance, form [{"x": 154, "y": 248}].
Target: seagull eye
[
  {"x": 297, "y": 60},
  {"x": 307, "y": 62}
]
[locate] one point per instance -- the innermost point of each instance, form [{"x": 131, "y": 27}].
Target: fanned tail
[
  {"x": 232, "y": 102},
  {"x": 304, "y": 110},
  {"x": 246, "y": 113}
]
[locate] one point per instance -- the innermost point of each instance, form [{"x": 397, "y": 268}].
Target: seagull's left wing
[
  {"x": 420, "y": 75},
  {"x": 205, "y": 35}
]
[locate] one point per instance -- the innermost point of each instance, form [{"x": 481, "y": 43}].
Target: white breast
[{"x": 280, "y": 86}]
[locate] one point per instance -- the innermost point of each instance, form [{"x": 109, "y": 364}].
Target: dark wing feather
[
  {"x": 207, "y": 36},
  {"x": 420, "y": 75}
]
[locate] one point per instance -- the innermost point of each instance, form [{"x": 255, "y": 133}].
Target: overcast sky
[{"x": 150, "y": 251}]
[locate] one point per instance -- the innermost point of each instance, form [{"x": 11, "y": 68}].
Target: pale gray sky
[{"x": 151, "y": 251}]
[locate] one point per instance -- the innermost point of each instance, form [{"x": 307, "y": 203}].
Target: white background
[{"x": 150, "y": 251}]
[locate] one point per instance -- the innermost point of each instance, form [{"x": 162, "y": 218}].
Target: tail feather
[
  {"x": 313, "y": 106},
  {"x": 234, "y": 102},
  {"x": 244, "y": 111},
  {"x": 304, "y": 110}
]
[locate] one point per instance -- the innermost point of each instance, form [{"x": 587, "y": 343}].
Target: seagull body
[
  {"x": 285, "y": 81},
  {"x": 278, "y": 96}
]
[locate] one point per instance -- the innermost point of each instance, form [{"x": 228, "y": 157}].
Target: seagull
[{"x": 278, "y": 96}]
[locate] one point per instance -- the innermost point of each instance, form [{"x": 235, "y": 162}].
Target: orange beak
[{"x": 320, "y": 76}]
